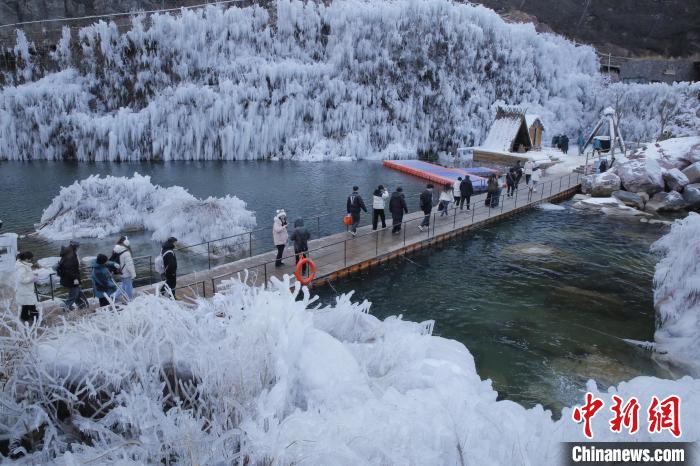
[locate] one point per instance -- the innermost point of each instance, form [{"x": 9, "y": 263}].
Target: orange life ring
[{"x": 312, "y": 271}]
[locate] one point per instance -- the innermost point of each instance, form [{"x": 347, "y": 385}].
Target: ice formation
[
  {"x": 258, "y": 376},
  {"x": 677, "y": 294},
  {"x": 311, "y": 81},
  {"x": 98, "y": 207}
]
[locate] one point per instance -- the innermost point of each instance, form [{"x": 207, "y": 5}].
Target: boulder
[
  {"x": 630, "y": 199},
  {"x": 693, "y": 173},
  {"x": 675, "y": 179},
  {"x": 597, "y": 203},
  {"x": 666, "y": 202},
  {"x": 601, "y": 185},
  {"x": 644, "y": 196},
  {"x": 641, "y": 175},
  {"x": 691, "y": 195}
]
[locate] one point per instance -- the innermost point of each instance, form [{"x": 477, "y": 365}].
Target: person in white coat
[
  {"x": 25, "y": 297},
  {"x": 529, "y": 167},
  {"x": 121, "y": 254},
  {"x": 379, "y": 198},
  {"x": 456, "y": 192},
  {"x": 445, "y": 198},
  {"x": 280, "y": 235}
]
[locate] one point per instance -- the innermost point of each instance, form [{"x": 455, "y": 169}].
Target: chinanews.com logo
[{"x": 632, "y": 417}]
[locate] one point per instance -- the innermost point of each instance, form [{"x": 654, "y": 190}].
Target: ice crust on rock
[
  {"x": 311, "y": 81},
  {"x": 267, "y": 373},
  {"x": 97, "y": 207},
  {"x": 677, "y": 294}
]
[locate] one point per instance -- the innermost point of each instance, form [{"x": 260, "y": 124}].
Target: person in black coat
[
  {"x": 354, "y": 205},
  {"x": 169, "y": 263},
  {"x": 300, "y": 237},
  {"x": 426, "y": 205},
  {"x": 510, "y": 181},
  {"x": 518, "y": 173},
  {"x": 68, "y": 270},
  {"x": 564, "y": 143},
  {"x": 397, "y": 207},
  {"x": 466, "y": 189}
]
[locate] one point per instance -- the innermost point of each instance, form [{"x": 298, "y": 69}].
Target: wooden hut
[
  {"x": 535, "y": 128},
  {"x": 508, "y": 136}
]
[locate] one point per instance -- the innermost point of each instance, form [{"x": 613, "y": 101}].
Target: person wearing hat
[
  {"x": 25, "y": 297},
  {"x": 167, "y": 251},
  {"x": 121, "y": 255},
  {"x": 103, "y": 285},
  {"x": 397, "y": 207},
  {"x": 378, "y": 199},
  {"x": 354, "y": 205},
  {"x": 68, "y": 270},
  {"x": 280, "y": 234}
]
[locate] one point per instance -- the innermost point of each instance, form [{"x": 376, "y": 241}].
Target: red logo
[{"x": 662, "y": 414}]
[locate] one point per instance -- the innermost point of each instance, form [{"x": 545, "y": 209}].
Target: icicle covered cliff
[{"x": 308, "y": 81}]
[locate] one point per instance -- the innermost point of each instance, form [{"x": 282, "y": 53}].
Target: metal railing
[
  {"x": 336, "y": 253},
  {"x": 254, "y": 244}
]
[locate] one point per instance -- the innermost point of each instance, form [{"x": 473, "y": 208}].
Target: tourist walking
[
  {"x": 300, "y": 237},
  {"x": 491, "y": 191},
  {"x": 397, "y": 207},
  {"x": 25, "y": 295},
  {"x": 426, "y": 205},
  {"x": 103, "y": 285},
  {"x": 169, "y": 265},
  {"x": 510, "y": 182},
  {"x": 466, "y": 189},
  {"x": 581, "y": 142},
  {"x": 280, "y": 235},
  {"x": 68, "y": 270},
  {"x": 529, "y": 166},
  {"x": 445, "y": 198},
  {"x": 456, "y": 191},
  {"x": 603, "y": 167},
  {"x": 122, "y": 256},
  {"x": 378, "y": 199},
  {"x": 355, "y": 204},
  {"x": 518, "y": 173}
]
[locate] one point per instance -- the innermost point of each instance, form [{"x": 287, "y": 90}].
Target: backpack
[
  {"x": 159, "y": 263},
  {"x": 353, "y": 199},
  {"x": 115, "y": 258}
]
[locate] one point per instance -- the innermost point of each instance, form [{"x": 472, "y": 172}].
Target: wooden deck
[{"x": 340, "y": 254}]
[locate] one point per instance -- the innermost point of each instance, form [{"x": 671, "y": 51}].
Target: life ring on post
[{"x": 312, "y": 271}]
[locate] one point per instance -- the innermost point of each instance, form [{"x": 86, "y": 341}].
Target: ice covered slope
[
  {"x": 351, "y": 78},
  {"x": 677, "y": 294},
  {"x": 313, "y": 81},
  {"x": 258, "y": 376},
  {"x": 97, "y": 207}
]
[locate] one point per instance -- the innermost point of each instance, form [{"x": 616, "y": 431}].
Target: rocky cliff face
[{"x": 636, "y": 27}]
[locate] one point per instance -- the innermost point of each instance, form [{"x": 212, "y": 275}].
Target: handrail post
[
  {"x": 560, "y": 180},
  {"x": 503, "y": 202},
  {"x": 345, "y": 253},
  {"x": 473, "y": 211},
  {"x": 454, "y": 222},
  {"x": 51, "y": 285},
  {"x": 376, "y": 243},
  {"x": 405, "y": 227},
  {"x": 265, "y": 273},
  {"x": 150, "y": 269},
  {"x": 318, "y": 226},
  {"x": 208, "y": 256},
  {"x": 250, "y": 243},
  {"x": 516, "y": 199},
  {"x": 434, "y": 222}
]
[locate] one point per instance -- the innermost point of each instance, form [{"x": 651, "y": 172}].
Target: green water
[{"x": 541, "y": 300}]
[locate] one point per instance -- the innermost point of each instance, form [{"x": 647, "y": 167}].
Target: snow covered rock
[
  {"x": 601, "y": 185},
  {"x": 691, "y": 195},
  {"x": 675, "y": 179},
  {"x": 267, "y": 373},
  {"x": 641, "y": 175},
  {"x": 597, "y": 203},
  {"x": 97, "y": 207},
  {"x": 677, "y": 294},
  {"x": 670, "y": 201},
  {"x": 630, "y": 199},
  {"x": 693, "y": 173}
]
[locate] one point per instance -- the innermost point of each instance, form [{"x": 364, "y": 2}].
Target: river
[{"x": 542, "y": 300}]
